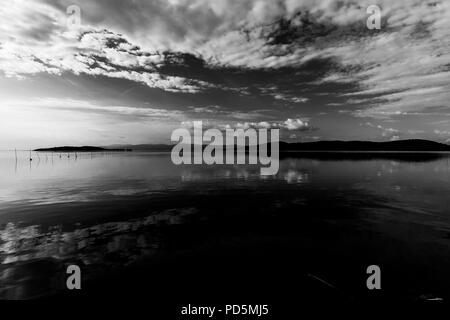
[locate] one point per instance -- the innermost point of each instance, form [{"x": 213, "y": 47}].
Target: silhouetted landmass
[
  {"x": 415, "y": 145},
  {"x": 143, "y": 147},
  {"x": 402, "y": 156},
  {"x": 400, "y": 145},
  {"x": 79, "y": 149}
]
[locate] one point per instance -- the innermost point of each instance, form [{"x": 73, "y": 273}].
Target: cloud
[
  {"x": 389, "y": 133},
  {"x": 50, "y": 121},
  {"x": 404, "y": 68},
  {"x": 294, "y": 125},
  {"x": 216, "y": 113},
  {"x": 124, "y": 113},
  {"x": 399, "y": 70},
  {"x": 48, "y": 46},
  {"x": 290, "y": 98},
  {"x": 206, "y": 109},
  {"x": 289, "y": 125},
  {"x": 443, "y": 135}
]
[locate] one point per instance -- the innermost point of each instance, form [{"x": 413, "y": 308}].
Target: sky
[{"x": 130, "y": 72}]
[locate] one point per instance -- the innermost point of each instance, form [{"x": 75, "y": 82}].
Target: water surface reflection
[{"x": 109, "y": 212}]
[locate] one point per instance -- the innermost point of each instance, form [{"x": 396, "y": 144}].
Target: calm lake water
[{"x": 329, "y": 216}]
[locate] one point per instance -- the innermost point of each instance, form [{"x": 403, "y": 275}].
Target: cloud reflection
[{"x": 106, "y": 245}]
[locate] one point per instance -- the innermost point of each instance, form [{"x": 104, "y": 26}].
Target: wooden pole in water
[
  {"x": 31, "y": 159},
  {"x": 15, "y": 164}
]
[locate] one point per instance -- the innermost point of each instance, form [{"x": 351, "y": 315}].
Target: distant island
[
  {"x": 143, "y": 147},
  {"x": 412, "y": 145},
  {"x": 80, "y": 149}
]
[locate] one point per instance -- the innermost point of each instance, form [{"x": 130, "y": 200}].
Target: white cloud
[
  {"x": 289, "y": 124},
  {"x": 389, "y": 133},
  {"x": 290, "y": 98},
  {"x": 46, "y": 45},
  {"x": 409, "y": 54},
  {"x": 84, "y": 106},
  {"x": 296, "y": 124}
]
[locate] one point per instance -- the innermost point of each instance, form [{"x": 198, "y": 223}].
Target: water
[{"x": 330, "y": 216}]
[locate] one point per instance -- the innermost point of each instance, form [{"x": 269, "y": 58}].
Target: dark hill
[
  {"x": 413, "y": 145},
  {"x": 400, "y": 145},
  {"x": 78, "y": 149}
]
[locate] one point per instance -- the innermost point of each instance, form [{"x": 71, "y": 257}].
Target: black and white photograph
[{"x": 225, "y": 159}]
